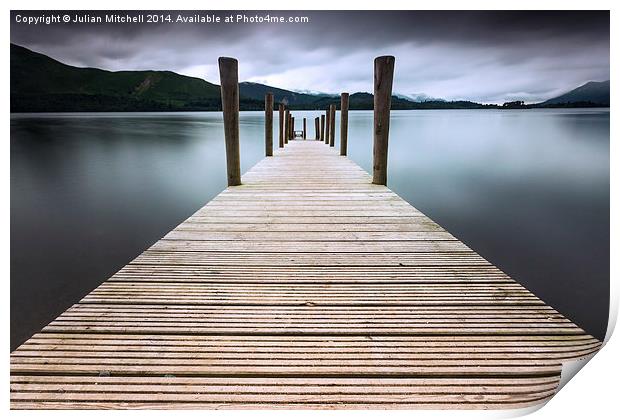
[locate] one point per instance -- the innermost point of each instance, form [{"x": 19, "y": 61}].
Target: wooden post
[
  {"x": 344, "y": 122},
  {"x": 287, "y": 131},
  {"x": 304, "y": 128},
  {"x": 281, "y": 124},
  {"x": 332, "y": 125},
  {"x": 292, "y": 127},
  {"x": 327, "y": 116},
  {"x": 384, "y": 75},
  {"x": 229, "y": 82},
  {"x": 316, "y": 128},
  {"x": 322, "y": 138},
  {"x": 269, "y": 124}
]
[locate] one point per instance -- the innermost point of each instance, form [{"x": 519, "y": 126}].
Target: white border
[{"x": 591, "y": 395}]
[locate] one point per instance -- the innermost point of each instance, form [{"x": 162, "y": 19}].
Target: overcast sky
[{"x": 480, "y": 56}]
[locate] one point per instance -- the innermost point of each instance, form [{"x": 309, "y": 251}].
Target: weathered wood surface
[
  {"x": 316, "y": 128},
  {"x": 327, "y": 124},
  {"x": 332, "y": 125},
  {"x": 281, "y": 125},
  {"x": 269, "y": 124},
  {"x": 384, "y": 75},
  {"x": 292, "y": 127},
  {"x": 344, "y": 122},
  {"x": 304, "y": 129},
  {"x": 306, "y": 287},
  {"x": 229, "y": 81},
  {"x": 287, "y": 137}
]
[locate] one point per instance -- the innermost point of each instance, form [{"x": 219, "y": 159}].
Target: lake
[{"x": 527, "y": 189}]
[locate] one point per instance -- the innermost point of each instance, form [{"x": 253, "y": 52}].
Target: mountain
[
  {"x": 420, "y": 97},
  {"x": 40, "y": 83},
  {"x": 257, "y": 92},
  {"x": 590, "y": 94},
  {"x": 364, "y": 100}
]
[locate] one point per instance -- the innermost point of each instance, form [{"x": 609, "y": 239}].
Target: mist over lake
[{"x": 527, "y": 189}]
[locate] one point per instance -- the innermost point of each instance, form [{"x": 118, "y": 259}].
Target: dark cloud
[{"x": 483, "y": 56}]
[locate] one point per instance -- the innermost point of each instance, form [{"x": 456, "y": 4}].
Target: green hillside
[
  {"x": 589, "y": 94},
  {"x": 257, "y": 91},
  {"x": 40, "y": 83},
  {"x": 365, "y": 101}
]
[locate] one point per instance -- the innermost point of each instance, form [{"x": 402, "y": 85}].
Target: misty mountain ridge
[
  {"x": 593, "y": 92},
  {"x": 420, "y": 97},
  {"x": 41, "y": 84},
  {"x": 290, "y": 98},
  {"x": 314, "y": 92}
]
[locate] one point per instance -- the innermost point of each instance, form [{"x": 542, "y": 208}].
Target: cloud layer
[{"x": 480, "y": 56}]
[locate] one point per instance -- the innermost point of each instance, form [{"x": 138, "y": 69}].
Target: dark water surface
[{"x": 527, "y": 189}]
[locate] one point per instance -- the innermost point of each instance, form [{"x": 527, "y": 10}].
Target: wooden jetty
[{"x": 306, "y": 286}]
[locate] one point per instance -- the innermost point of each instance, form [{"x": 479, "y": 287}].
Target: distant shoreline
[
  {"x": 75, "y": 89},
  {"x": 310, "y": 110}
]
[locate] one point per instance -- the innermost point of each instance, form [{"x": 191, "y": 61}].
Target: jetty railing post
[
  {"x": 287, "y": 124},
  {"x": 229, "y": 81},
  {"x": 316, "y": 128},
  {"x": 292, "y": 128},
  {"x": 344, "y": 122},
  {"x": 332, "y": 125},
  {"x": 327, "y": 124},
  {"x": 384, "y": 75},
  {"x": 304, "y": 128},
  {"x": 269, "y": 124},
  {"x": 281, "y": 124},
  {"x": 322, "y": 138}
]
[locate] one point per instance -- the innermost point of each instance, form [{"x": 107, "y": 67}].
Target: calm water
[{"x": 527, "y": 189}]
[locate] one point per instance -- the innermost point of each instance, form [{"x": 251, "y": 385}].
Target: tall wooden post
[
  {"x": 384, "y": 75},
  {"x": 322, "y": 138},
  {"x": 292, "y": 128},
  {"x": 332, "y": 125},
  {"x": 269, "y": 124},
  {"x": 287, "y": 123},
  {"x": 344, "y": 122},
  {"x": 327, "y": 117},
  {"x": 316, "y": 128},
  {"x": 281, "y": 124},
  {"x": 304, "y": 128},
  {"x": 229, "y": 82}
]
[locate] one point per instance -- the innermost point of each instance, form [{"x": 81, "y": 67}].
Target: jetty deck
[{"x": 305, "y": 287}]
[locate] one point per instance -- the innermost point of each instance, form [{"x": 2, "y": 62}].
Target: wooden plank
[
  {"x": 258, "y": 341},
  {"x": 386, "y": 391},
  {"x": 320, "y": 258},
  {"x": 307, "y": 236}
]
